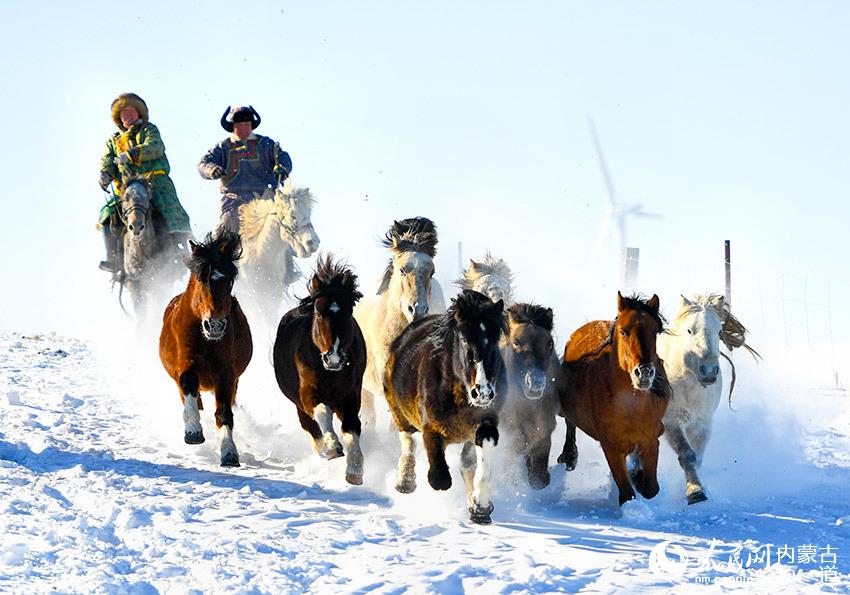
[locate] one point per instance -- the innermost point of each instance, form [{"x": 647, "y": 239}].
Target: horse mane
[
  {"x": 254, "y": 215},
  {"x": 471, "y": 306},
  {"x": 532, "y": 314},
  {"x": 414, "y": 234},
  {"x": 732, "y": 332},
  {"x": 333, "y": 280},
  {"x": 489, "y": 266},
  {"x": 218, "y": 251},
  {"x": 137, "y": 179},
  {"x": 639, "y": 302}
]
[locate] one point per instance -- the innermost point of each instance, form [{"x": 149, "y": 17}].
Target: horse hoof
[
  {"x": 405, "y": 487},
  {"x": 355, "y": 479},
  {"x": 440, "y": 480},
  {"x": 480, "y": 515},
  {"x": 696, "y": 497},
  {"x": 230, "y": 460},
  {"x": 538, "y": 482},
  {"x": 193, "y": 437},
  {"x": 626, "y": 497},
  {"x": 568, "y": 460},
  {"x": 334, "y": 452}
]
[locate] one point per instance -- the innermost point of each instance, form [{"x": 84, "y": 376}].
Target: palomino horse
[
  {"x": 691, "y": 352},
  {"x": 407, "y": 293},
  {"x": 613, "y": 386},
  {"x": 275, "y": 229},
  {"x": 146, "y": 256},
  {"x": 446, "y": 378},
  {"x": 205, "y": 343},
  {"x": 492, "y": 277},
  {"x": 319, "y": 359},
  {"x": 532, "y": 402}
]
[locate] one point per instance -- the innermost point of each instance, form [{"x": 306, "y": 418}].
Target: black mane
[
  {"x": 638, "y": 302},
  {"x": 472, "y": 307},
  {"x": 219, "y": 252},
  {"x": 415, "y": 234},
  {"x": 332, "y": 280},
  {"x": 532, "y": 314}
]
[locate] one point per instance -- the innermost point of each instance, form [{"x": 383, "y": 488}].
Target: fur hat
[
  {"x": 128, "y": 100},
  {"x": 240, "y": 114}
]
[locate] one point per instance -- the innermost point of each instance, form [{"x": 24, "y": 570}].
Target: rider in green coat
[{"x": 137, "y": 149}]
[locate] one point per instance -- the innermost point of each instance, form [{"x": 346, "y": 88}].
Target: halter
[{"x": 124, "y": 212}]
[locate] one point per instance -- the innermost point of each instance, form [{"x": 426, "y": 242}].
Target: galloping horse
[
  {"x": 613, "y": 386},
  {"x": 407, "y": 293},
  {"x": 275, "y": 228},
  {"x": 532, "y": 402},
  {"x": 490, "y": 276},
  {"x": 145, "y": 256},
  {"x": 691, "y": 352},
  {"x": 205, "y": 343},
  {"x": 319, "y": 359},
  {"x": 446, "y": 378}
]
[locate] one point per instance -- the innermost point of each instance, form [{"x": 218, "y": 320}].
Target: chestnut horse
[
  {"x": 205, "y": 343},
  {"x": 319, "y": 360},
  {"x": 613, "y": 386},
  {"x": 445, "y": 378}
]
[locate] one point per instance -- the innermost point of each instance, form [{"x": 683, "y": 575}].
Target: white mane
[{"x": 488, "y": 275}]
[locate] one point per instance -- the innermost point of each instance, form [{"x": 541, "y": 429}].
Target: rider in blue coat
[{"x": 246, "y": 163}]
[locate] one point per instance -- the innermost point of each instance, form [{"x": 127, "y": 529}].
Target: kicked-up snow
[{"x": 98, "y": 493}]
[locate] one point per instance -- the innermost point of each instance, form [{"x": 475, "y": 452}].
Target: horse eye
[
  {"x": 624, "y": 333},
  {"x": 690, "y": 332},
  {"x": 516, "y": 344}
]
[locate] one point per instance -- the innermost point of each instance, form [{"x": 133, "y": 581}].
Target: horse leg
[
  {"x": 367, "y": 407},
  {"x": 569, "y": 455},
  {"x": 193, "y": 433},
  {"x": 698, "y": 434},
  {"x": 406, "y": 477},
  {"x": 486, "y": 438},
  {"x": 438, "y": 470},
  {"x": 537, "y": 463},
  {"x": 311, "y": 427},
  {"x": 617, "y": 464},
  {"x": 687, "y": 461},
  {"x": 225, "y": 392},
  {"x": 468, "y": 461},
  {"x": 647, "y": 483},
  {"x": 329, "y": 446},
  {"x": 348, "y": 415}
]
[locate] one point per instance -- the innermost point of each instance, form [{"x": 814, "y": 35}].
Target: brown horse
[
  {"x": 205, "y": 343},
  {"x": 613, "y": 386},
  {"x": 319, "y": 360},
  {"x": 445, "y": 378}
]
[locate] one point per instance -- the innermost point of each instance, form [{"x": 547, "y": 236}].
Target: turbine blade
[
  {"x": 604, "y": 230},
  {"x": 609, "y": 185}
]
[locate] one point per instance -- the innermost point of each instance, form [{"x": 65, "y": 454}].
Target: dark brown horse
[
  {"x": 445, "y": 378},
  {"x": 319, "y": 360},
  {"x": 205, "y": 343},
  {"x": 532, "y": 402},
  {"x": 613, "y": 386}
]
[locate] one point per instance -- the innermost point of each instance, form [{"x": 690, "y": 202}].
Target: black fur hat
[{"x": 240, "y": 114}]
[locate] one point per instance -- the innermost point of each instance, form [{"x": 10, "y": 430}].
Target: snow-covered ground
[{"x": 98, "y": 493}]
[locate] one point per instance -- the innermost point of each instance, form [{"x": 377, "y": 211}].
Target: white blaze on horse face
[
  {"x": 215, "y": 275},
  {"x": 334, "y": 307},
  {"x": 482, "y": 488},
  {"x": 191, "y": 415}
]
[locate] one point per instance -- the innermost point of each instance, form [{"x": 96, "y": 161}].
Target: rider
[
  {"x": 137, "y": 150},
  {"x": 247, "y": 163}
]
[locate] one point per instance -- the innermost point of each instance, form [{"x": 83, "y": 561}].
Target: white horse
[
  {"x": 275, "y": 229},
  {"x": 691, "y": 351},
  {"x": 492, "y": 277},
  {"x": 407, "y": 292}
]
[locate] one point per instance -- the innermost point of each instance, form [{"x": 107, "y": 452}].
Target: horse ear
[
  {"x": 314, "y": 284},
  {"x": 549, "y": 318},
  {"x": 473, "y": 266},
  {"x": 685, "y": 301},
  {"x": 620, "y": 302},
  {"x": 499, "y": 306},
  {"x": 654, "y": 302},
  {"x": 721, "y": 303},
  {"x": 193, "y": 245}
]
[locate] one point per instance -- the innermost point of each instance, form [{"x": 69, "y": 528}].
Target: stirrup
[{"x": 108, "y": 266}]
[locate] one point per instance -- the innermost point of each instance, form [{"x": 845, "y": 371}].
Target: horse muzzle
[
  {"x": 533, "y": 384},
  {"x": 213, "y": 328},
  {"x": 482, "y": 395},
  {"x": 643, "y": 376},
  {"x": 334, "y": 361},
  {"x": 416, "y": 311},
  {"x": 707, "y": 374}
]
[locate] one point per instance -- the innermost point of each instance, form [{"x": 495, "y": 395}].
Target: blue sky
[{"x": 728, "y": 118}]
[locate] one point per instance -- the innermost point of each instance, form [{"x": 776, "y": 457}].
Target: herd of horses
[{"x": 480, "y": 372}]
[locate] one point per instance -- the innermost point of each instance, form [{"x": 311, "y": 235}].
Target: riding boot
[{"x": 110, "y": 265}]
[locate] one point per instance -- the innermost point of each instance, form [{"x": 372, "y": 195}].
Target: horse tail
[{"x": 732, "y": 385}]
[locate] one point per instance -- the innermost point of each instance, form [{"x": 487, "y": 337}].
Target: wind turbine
[{"x": 616, "y": 213}]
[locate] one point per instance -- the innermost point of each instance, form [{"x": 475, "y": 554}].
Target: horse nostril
[{"x": 637, "y": 372}]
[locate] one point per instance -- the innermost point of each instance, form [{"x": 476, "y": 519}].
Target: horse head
[
  {"x": 697, "y": 326},
  {"x": 213, "y": 268},
  {"x": 635, "y": 332},
  {"x": 293, "y": 215},
  {"x": 531, "y": 349},
  {"x": 413, "y": 245},
  {"x": 333, "y": 293},
  {"x": 135, "y": 206},
  {"x": 491, "y": 276},
  {"x": 472, "y": 326}
]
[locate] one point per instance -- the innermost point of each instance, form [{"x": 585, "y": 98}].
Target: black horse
[
  {"x": 319, "y": 360},
  {"x": 445, "y": 378}
]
